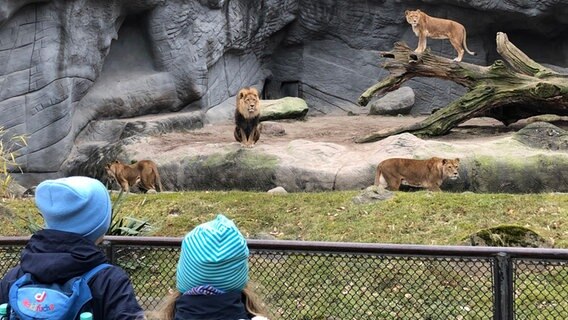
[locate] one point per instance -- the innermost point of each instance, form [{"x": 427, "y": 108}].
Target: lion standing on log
[
  {"x": 425, "y": 26},
  {"x": 144, "y": 172},
  {"x": 430, "y": 173},
  {"x": 247, "y": 117}
]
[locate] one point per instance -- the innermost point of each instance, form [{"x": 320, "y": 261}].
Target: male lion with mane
[
  {"x": 425, "y": 26},
  {"x": 430, "y": 173},
  {"x": 247, "y": 117},
  {"x": 144, "y": 172}
]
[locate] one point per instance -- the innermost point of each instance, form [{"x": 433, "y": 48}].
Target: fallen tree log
[{"x": 509, "y": 90}]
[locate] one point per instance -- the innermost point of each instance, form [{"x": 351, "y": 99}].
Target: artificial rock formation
[{"x": 69, "y": 66}]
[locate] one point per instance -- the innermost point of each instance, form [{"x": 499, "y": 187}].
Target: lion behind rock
[
  {"x": 425, "y": 26},
  {"x": 144, "y": 172},
  {"x": 247, "y": 117},
  {"x": 430, "y": 173}
]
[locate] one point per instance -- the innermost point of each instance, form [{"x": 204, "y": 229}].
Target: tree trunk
[{"x": 507, "y": 91}]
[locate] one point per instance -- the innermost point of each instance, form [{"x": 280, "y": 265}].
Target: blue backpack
[{"x": 31, "y": 300}]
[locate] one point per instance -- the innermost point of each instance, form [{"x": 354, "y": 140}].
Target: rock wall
[{"x": 68, "y": 64}]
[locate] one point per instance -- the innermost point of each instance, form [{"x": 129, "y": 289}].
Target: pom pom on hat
[
  {"x": 214, "y": 253},
  {"x": 75, "y": 204}
]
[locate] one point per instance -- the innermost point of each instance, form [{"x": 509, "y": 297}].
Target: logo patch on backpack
[{"x": 31, "y": 300}]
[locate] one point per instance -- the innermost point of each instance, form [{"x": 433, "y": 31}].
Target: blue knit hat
[
  {"x": 75, "y": 204},
  {"x": 214, "y": 253}
]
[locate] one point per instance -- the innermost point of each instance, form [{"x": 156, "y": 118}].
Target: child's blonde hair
[{"x": 167, "y": 310}]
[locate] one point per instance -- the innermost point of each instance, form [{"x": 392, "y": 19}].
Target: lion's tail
[
  {"x": 378, "y": 176},
  {"x": 158, "y": 181},
  {"x": 465, "y": 44}
]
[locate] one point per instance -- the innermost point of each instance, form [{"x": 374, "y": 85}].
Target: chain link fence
[{"x": 333, "y": 281}]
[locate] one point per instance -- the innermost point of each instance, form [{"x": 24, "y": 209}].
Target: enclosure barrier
[{"x": 336, "y": 281}]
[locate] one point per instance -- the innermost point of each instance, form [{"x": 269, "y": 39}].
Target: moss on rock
[
  {"x": 285, "y": 108},
  {"x": 240, "y": 169},
  {"x": 507, "y": 236},
  {"x": 536, "y": 173}
]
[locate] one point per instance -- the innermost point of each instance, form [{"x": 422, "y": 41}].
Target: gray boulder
[
  {"x": 398, "y": 102},
  {"x": 372, "y": 194},
  {"x": 278, "y": 190},
  {"x": 284, "y": 108},
  {"x": 272, "y": 128},
  {"x": 543, "y": 135}
]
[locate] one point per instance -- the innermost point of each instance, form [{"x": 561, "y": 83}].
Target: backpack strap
[{"x": 87, "y": 276}]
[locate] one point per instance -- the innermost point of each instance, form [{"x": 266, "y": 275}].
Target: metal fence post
[
  {"x": 503, "y": 290},
  {"x": 109, "y": 252}
]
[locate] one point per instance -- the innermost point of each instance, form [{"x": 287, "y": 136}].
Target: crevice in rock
[
  {"x": 131, "y": 53},
  {"x": 130, "y": 66}
]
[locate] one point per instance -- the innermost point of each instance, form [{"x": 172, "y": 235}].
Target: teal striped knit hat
[{"x": 214, "y": 253}]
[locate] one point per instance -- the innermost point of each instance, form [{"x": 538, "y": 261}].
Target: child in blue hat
[
  {"x": 212, "y": 276},
  {"x": 77, "y": 214}
]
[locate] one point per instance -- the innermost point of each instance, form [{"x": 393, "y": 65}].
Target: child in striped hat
[{"x": 212, "y": 276}]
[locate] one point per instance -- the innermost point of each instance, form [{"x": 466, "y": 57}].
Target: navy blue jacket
[
  {"x": 227, "y": 306},
  {"x": 53, "y": 256}
]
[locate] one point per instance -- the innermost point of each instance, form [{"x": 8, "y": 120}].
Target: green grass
[
  {"x": 411, "y": 218},
  {"x": 358, "y": 286}
]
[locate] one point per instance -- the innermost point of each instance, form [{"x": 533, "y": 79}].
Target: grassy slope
[{"x": 413, "y": 218}]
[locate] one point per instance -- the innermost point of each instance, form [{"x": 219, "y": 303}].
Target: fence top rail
[{"x": 340, "y": 247}]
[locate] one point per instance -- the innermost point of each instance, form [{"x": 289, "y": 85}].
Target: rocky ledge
[{"x": 500, "y": 163}]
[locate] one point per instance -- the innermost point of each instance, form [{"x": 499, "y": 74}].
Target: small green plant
[
  {"x": 8, "y": 159},
  {"x": 125, "y": 226},
  {"x": 31, "y": 224}
]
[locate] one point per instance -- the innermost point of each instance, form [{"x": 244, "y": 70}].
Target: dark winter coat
[
  {"x": 227, "y": 306},
  {"x": 53, "y": 256}
]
